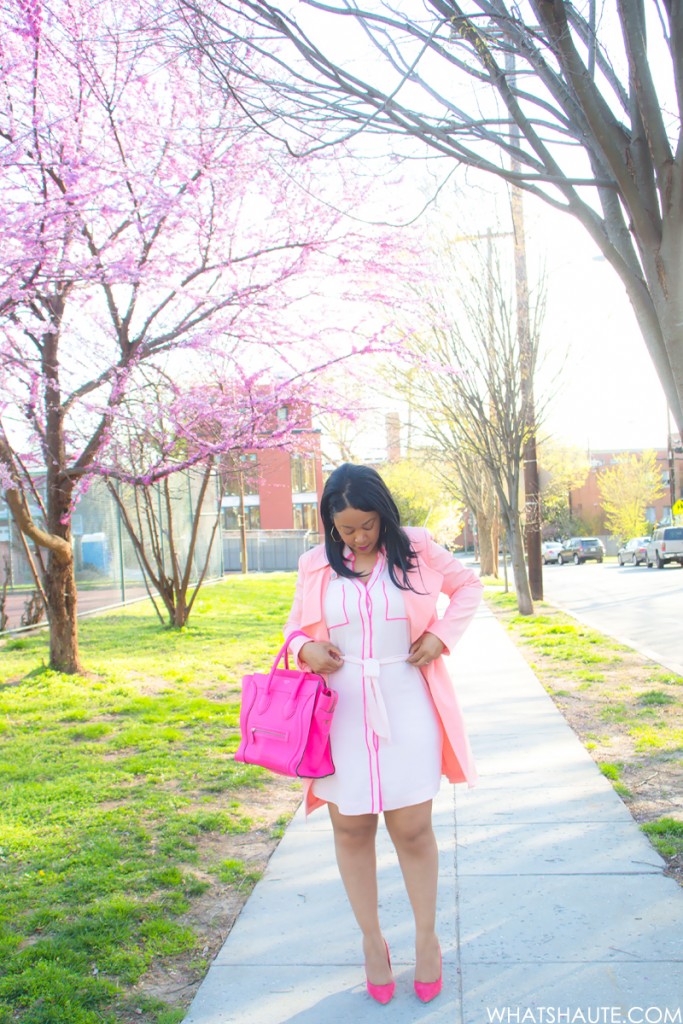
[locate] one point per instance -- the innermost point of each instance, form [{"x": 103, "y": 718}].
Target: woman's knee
[
  {"x": 411, "y": 828},
  {"x": 353, "y": 829}
]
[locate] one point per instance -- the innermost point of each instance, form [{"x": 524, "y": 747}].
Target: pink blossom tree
[{"x": 146, "y": 228}]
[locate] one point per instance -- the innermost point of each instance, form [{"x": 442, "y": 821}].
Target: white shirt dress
[{"x": 385, "y": 736}]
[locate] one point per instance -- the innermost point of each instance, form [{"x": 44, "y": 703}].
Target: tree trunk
[
  {"x": 60, "y": 578},
  {"x": 495, "y": 541},
  {"x": 486, "y": 567},
  {"x": 60, "y": 590},
  {"x": 488, "y": 555},
  {"x": 516, "y": 542},
  {"x": 180, "y": 613},
  {"x": 487, "y": 520}
]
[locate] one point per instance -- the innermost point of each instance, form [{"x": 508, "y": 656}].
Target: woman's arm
[
  {"x": 460, "y": 584},
  {"x": 319, "y": 656},
  {"x": 294, "y": 618}
]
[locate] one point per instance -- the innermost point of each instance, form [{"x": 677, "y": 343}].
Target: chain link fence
[{"x": 108, "y": 572}]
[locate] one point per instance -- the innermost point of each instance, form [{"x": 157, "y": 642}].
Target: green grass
[
  {"x": 236, "y": 873},
  {"x": 666, "y": 834},
  {"x": 613, "y": 773},
  {"x": 108, "y": 784},
  {"x": 656, "y": 698},
  {"x": 567, "y": 642}
]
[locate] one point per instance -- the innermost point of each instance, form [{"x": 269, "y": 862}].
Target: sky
[{"x": 608, "y": 394}]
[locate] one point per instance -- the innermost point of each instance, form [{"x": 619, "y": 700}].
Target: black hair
[{"x": 362, "y": 487}]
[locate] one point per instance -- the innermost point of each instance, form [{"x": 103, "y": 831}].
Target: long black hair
[{"x": 362, "y": 487}]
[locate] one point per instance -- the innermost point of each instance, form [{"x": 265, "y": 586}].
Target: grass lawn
[
  {"x": 627, "y": 710},
  {"x": 129, "y": 837}
]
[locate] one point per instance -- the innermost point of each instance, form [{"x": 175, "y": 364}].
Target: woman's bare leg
[
  {"x": 354, "y": 843},
  {"x": 412, "y": 834}
]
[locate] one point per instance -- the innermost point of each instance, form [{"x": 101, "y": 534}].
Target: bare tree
[
  {"x": 587, "y": 116},
  {"x": 474, "y": 484},
  {"x": 170, "y": 563},
  {"x": 470, "y": 381}
]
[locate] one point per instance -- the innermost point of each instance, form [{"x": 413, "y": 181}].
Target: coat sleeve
[
  {"x": 463, "y": 588},
  {"x": 294, "y": 618}
]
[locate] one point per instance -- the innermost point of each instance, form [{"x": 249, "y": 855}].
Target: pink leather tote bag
[{"x": 285, "y": 720}]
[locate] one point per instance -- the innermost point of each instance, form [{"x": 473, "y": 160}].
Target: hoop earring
[{"x": 337, "y": 539}]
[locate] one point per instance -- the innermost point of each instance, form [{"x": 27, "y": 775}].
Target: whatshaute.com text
[{"x": 591, "y": 1015}]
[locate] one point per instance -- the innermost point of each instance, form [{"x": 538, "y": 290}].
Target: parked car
[
  {"x": 633, "y": 551},
  {"x": 580, "y": 549},
  {"x": 666, "y": 545},
  {"x": 550, "y": 550}
]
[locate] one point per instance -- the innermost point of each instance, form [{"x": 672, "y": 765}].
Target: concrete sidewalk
[{"x": 552, "y": 904}]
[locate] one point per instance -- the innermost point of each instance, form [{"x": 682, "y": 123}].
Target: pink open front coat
[{"x": 437, "y": 572}]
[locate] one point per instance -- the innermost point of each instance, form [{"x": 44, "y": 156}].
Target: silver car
[
  {"x": 633, "y": 552},
  {"x": 550, "y": 550}
]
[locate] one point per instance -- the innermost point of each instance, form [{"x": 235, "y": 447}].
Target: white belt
[{"x": 377, "y": 712}]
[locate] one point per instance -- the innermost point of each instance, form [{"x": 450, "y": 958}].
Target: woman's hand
[
  {"x": 425, "y": 649},
  {"x": 321, "y": 656}
]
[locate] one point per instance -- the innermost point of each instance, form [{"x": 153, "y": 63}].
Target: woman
[{"x": 367, "y": 600}]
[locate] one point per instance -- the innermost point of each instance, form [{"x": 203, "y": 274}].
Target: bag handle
[
  {"x": 284, "y": 650},
  {"x": 265, "y": 697}
]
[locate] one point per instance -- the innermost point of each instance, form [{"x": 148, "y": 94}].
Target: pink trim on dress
[
  {"x": 387, "y": 616},
  {"x": 346, "y": 614},
  {"x": 366, "y": 728},
  {"x": 375, "y": 775}
]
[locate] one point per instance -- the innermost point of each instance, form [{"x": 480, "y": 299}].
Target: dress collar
[{"x": 348, "y": 556}]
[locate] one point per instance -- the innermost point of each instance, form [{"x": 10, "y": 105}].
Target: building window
[
  {"x": 306, "y": 516},
  {"x": 303, "y": 474},
  {"x": 252, "y": 516}
]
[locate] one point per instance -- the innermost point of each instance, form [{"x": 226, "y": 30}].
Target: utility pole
[{"x": 532, "y": 494}]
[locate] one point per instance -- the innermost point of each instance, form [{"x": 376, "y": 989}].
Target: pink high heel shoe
[
  {"x": 428, "y": 990},
  {"x": 382, "y": 993}
]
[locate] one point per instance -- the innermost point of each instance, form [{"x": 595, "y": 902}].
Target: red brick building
[
  {"x": 278, "y": 489},
  {"x": 281, "y": 492}
]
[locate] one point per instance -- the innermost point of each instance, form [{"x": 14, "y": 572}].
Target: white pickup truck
[{"x": 666, "y": 545}]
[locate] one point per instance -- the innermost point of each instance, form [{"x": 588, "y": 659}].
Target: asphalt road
[{"x": 640, "y": 607}]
